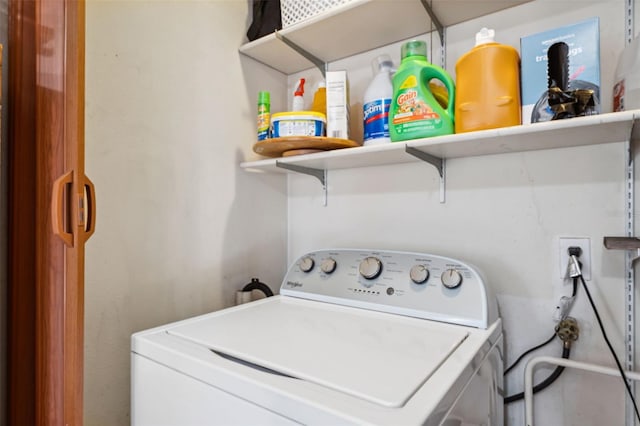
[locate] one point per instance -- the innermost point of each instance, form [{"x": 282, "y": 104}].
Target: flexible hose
[
  {"x": 528, "y": 352},
  {"x": 566, "y": 350}
]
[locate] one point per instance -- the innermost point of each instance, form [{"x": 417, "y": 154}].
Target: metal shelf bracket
[
  {"x": 438, "y": 163},
  {"x": 319, "y": 63},
  {"x": 624, "y": 243},
  {"x": 434, "y": 19},
  {"x": 631, "y": 145},
  {"x": 320, "y": 174}
]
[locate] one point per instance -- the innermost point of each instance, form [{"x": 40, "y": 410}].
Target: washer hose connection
[{"x": 568, "y": 331}]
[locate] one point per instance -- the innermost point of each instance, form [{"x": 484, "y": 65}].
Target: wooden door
[{"x": 51, "y": 211}]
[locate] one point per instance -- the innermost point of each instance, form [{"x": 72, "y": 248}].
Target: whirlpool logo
[{"x": 294, "y": 284}]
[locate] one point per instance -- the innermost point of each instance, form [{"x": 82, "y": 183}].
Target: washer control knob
[
  {"x": 451, "y": 278},
  {"x": 306, "y": 264},
  {"x": 419, "y": 274},
  {"x": 370, "y": 267},
  {"x": 328, "y": 265}
]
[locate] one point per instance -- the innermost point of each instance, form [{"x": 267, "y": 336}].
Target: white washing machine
[{"x": 355, "y": 337}]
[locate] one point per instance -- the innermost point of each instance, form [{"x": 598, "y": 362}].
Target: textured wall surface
[{"x": 170, "y": 111}]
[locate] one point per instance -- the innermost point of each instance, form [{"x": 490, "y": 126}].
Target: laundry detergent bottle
[
  {"x": 415, "y": 113},
  {"x": 488, "y": 86}
]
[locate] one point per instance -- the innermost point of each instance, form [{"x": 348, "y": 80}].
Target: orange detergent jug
[{"x": 487, "y": 86}]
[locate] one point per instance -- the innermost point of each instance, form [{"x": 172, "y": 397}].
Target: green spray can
[{"x": 264, "y": 115}]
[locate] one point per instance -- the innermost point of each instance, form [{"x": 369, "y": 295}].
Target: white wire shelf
[{"x": 362, "y": 25}]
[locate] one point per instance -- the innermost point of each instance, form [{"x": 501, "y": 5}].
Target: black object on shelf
[
  {"x": 267, "y": 18},
  {"x": 566, "y": 98}
]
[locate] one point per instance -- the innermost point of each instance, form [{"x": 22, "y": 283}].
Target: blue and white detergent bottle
[{"x": 377, "y": 101}]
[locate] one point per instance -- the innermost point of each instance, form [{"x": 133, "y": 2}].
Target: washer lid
[{"x": 379, "y": 357}]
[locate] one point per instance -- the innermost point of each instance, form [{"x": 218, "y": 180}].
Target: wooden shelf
[
  {"x": 582, "y": 131},
  {"x": 360, "y": 26}
]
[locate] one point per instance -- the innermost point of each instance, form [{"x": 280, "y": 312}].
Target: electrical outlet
[{"x": 585, "y": 257}]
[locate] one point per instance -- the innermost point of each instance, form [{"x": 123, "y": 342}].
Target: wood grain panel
[
  {"x": 21, "y": 149},
  {"x": 46, "y": 138}
]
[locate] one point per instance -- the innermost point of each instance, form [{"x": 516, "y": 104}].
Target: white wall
[
  {"x": 170, "y": 114},
  {"x": 503, "y": 213}
]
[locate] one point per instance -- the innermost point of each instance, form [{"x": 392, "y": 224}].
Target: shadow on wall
[{"x": 255, "y": 237}]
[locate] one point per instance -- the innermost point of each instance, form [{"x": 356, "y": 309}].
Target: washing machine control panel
[{"x": 406, "y": 283}]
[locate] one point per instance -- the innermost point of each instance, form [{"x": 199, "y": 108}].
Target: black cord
[
  {"x": 566, "y": 350},
  {"x": 565, "y": 354},
  {"x": 606, "y": 339},
  {"x": 528, "y": 352}
]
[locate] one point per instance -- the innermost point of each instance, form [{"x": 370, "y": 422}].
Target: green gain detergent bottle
[{"x": 414, "y": 112}]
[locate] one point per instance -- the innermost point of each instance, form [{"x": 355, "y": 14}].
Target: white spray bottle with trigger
[
  {"x": 377, "y": 101},
  {"x": 298, "y": 100}
]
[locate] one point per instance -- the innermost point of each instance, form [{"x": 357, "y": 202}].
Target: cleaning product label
[
  {"x": 297, "y": 125},
  {"x": 376, "y": 119},
  {"x": 412, "y": 111},
  {"x": 263, "y": 122},
  {"x": 618, "y": 96},
  {"x": 298, "y": 128}
]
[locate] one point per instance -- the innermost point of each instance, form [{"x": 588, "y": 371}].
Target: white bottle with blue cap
[{"x": 377, "y": 101}]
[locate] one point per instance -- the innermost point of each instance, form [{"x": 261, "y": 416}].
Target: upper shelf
[
  {"x": 362, "y": 25},
  {"x": 581, "y": 131}
]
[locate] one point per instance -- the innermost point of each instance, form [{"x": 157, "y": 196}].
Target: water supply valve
[{"x": 568, "y": 331}]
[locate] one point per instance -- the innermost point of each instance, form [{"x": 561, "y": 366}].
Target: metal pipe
[{"x": 567, "y": 363}]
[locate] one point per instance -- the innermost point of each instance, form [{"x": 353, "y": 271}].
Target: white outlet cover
[{"x": 585, "y": 258}]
